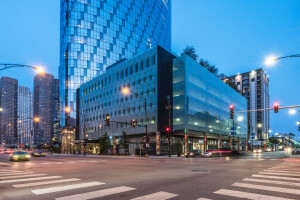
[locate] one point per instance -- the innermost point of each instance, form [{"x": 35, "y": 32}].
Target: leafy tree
[
  {"x": 212, "y": 68},
  {"x": 104, "y": 143},
  {"x": 190, "y": 51},
  {"x": 273, "y": 140},
  {"x": 124, "y": 141},
  {"x": 222, "y": 76}
]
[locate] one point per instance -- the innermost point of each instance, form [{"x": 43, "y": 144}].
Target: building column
[
  {"x": 239, "y": 144},
  {"x": 205, "y": 142},
  {"x": 185, "y": 142}
]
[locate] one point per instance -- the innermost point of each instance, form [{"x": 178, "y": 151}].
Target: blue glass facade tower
[{"x": 97, "y": 33}]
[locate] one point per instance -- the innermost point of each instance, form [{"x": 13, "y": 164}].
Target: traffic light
[
  {"x": 167, "y": 129},
  {"x": 107, "y": 119},
  {"x": 231, "y": 111},
  {"x": 133, "y": 123},
  {"x": 276, "y": 105}
]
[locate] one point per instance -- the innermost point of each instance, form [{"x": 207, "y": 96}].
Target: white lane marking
[
  {"x": 284, "y": 168},
  {"x": 204, "y": 199},
  {"x": 267, "y": 188},
  {"x": 58, "y": 163},
  {"x": 277, "y": 177},
  {"x": 271, "y": 181},
  {"x": 279, "y": 171},
  {"x": 66, "y": 187},
  {"x": 71, "y": 162},
  {"x": 158, "y": 195},
  {"x": 45, "y": 182},
  {"x": 8, "y": 171},
  {"x": 97, "y": 194},
  {"x": 45, "y": 163},
  {"x": 17, "y": 173},
  {"x": 3, "y": 163},
  {"x": 248, "y": 195},
  {"x": 30, "y": 179},
  {"x": 273, "y": 159},
  {"x": 281, "y": 174},
  {"x": 23, "y": 176}
]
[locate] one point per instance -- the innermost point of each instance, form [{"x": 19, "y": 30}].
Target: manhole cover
[{"x": 199, "y": 170}]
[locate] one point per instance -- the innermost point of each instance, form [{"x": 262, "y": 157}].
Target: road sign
[
  {"x": 252, "y": 134},
  {"x": 233, "y": 131},
  {"x": 252, "y": 138}
]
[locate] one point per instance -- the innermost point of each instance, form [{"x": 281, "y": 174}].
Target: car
[
  {"x": 207, "y": 154},
  {"x": 38, "y": 154},
  {"x": 189, "y": 154},
  {"x": 19, "y": 156},
  {"x": 296, "y": 152},
  {"x": 257, "y": 151},
  {"x": 197, "y": 153},
  {"x": 8, "y": 151}
]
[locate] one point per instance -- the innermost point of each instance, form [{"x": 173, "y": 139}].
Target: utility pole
[{"x": 169, "y": 107}]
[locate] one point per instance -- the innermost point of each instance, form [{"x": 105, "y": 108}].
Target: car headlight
[
  {"x": 27, "y": 156},
  {"x": 15, "y": 156},
  {"x": 192, "y": 154}
]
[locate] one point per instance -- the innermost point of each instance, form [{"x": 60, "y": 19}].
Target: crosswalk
[
  {"x": 276, "y": 183},
  {"x": 43, "y": 184}
]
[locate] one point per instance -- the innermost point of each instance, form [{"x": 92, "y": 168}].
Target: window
[{"x": 252, "y": 79}]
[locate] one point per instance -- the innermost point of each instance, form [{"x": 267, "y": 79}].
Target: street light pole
[
  {"x": 7, "y": 66},
  {"x": 126, "y": 91}
]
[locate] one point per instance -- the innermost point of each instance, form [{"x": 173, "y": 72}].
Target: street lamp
[
  {"x": 7, "y": 66},
  {"x": 126, "y": 91},
  {"x": 240, "y": 118},
  {"x": 271, "y": 60}
]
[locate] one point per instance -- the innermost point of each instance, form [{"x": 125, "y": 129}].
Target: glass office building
[
  {"x": 97, "y": 33},
  {"x": 201, "y": 108}
]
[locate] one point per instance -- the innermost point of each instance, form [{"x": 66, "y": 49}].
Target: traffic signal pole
[{"x": 298, "y": 106}]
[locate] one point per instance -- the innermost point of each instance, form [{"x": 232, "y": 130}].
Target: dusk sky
[{"x": 235, "y": 35}]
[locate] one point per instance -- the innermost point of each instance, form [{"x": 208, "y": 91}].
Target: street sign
[
  {"x": 252, "y": 134},
  {"x": 233, "y": 131},
  {"x": 252, "y": 138}
]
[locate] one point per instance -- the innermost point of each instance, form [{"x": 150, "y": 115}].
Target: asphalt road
[{"x": 271, "y": 175}]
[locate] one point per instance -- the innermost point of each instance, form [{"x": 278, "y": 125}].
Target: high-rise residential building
[
  {"x": 43, "y": 108},
  {"x": 56, "y": 112},
  {"x": 25, "y": 113},
  {"x": 9, "y": 110},
  {"x": 254, "y": 86},
  {"x": 97, "y": 33}
]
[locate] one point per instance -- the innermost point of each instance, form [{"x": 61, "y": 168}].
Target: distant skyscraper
[
  {"x": 254, "y": 86},
  {"x": 97, "y": 33},
  {"x": 9, "y": 110},
  {"x": 43, "y": 107},
  {"x": 24, "y": 115},
  {"x": 56, "y": 112}
]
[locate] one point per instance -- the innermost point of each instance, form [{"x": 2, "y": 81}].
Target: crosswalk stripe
[
  {"x": 45, "y": 182},
  {"x": 30, "y": 179},
  {"x": 268, "y": 188},
  {"x": 59, "y": 163},
  {"x": 23, "y": 176},
  {"x": 248, "y": 195},
  {"x": 276, "y": 177},
  {"x": 17, "y": 173},
  {"x": 279, "y": 171},
  {"x": 97, "y": 194},
  {"x": 71, "y": 162},
  {"x": 157, "y": 195},
  {"x": 66, "y": 187},
  {"x": 284, "y": 168},
  {"x": 271, "y": 181},
  {"x": 282, "y": 174},
  {"x": 203, "y": 199},
  {"x": 7, "y": 171}
]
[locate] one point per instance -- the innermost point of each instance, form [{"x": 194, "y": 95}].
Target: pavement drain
[{"x": 200, "y": 170}]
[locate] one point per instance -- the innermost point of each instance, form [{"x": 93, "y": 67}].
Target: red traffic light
[
  {"x": 167, "y": 129},
  {"x": 231, "y": 106},
  {"x": 276, "y": 105}
]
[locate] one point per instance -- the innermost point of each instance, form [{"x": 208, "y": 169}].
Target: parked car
[
  {"x": 207, "y": 154},
  {"x": 8, "y": 151},
  {"x": 197, "y": 153},
  {"x": 19, "y": 155},
  {"x": 296, "y": 152},
  {"x": 38, "y": 154}
]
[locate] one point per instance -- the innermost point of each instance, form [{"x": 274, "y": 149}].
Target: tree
[
  {"x": 190, "y": 51},
  {"x": 222, "y": 76},
  {"x": 124, "y": 141},
  {"x": 273, "y": 140},
  {"x": 104, "y": 143},
  {"x": 212, "y": 68}
]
